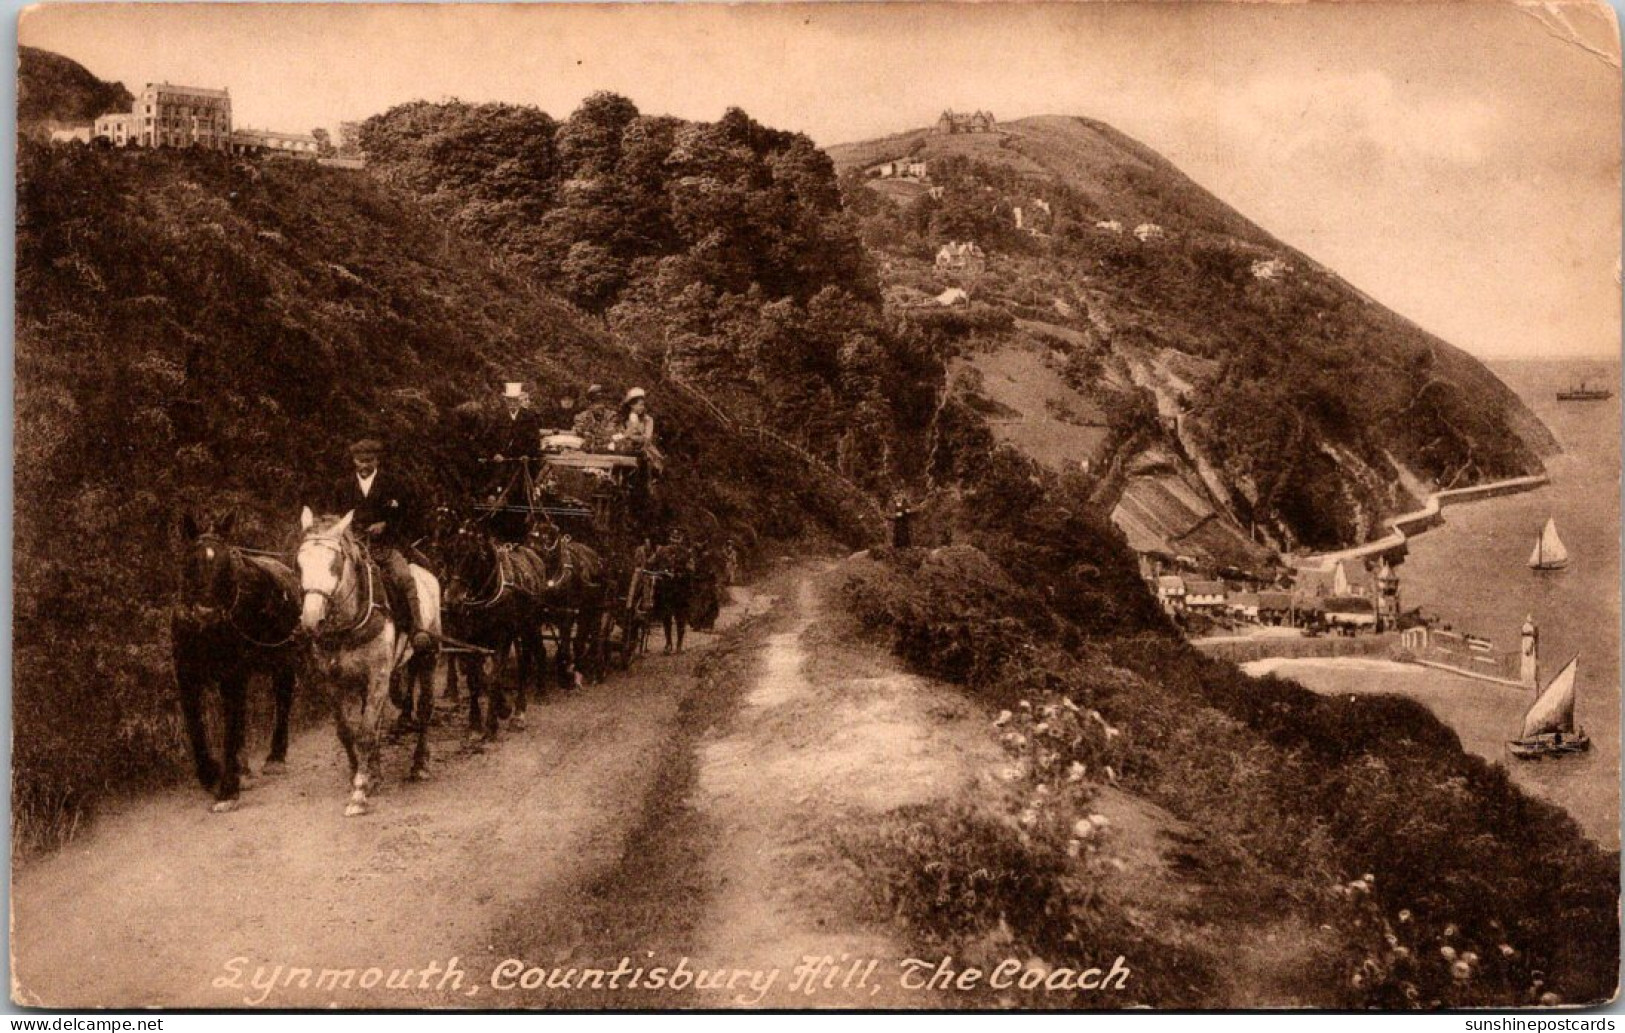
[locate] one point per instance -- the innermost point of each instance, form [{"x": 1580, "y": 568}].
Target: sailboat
[
  {"x": 1549, "y": 553},
  {"x": 1548, "y": 727}
]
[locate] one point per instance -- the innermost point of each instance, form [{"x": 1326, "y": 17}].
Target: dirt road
[{"x": 679, "y": 815}]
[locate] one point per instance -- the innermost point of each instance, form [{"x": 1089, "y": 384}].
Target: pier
[{"x": 1408, "y": 525}]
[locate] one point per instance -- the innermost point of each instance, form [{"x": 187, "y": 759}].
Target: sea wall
[
  {"x": 1429, "y": 516},
  {"x": 1243, "y": 651}
]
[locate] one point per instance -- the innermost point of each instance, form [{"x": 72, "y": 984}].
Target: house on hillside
[
  {"x": 1205, "y": 596},
  {"x": 1171, "y": 593},
  {"x": 274, "y": 143},
  {"x": 1109, "y": 226},
  {"x": 960, "y": 257},
  {"x": 899, "y": 168},
  {"x": 1149, "y": 231},
  {"x": 951, "y": 122},
  {"x": 953, "y": 296},
  {"x": 73, "y": 134},
  {"x": 166, "y": 115}
]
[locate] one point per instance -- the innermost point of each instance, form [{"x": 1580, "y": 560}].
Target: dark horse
[
  {"x": 575, "y": 599},
  {"x": 493, "y": 600},
  {"x": 234, "y": 617},
  {"x": 673, "y": 571}
]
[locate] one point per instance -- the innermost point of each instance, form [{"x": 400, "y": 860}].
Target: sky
[{"x": 1458, "y": 162}]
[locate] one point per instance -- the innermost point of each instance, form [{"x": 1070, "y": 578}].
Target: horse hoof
[
  {"x": 419, "y": 775},
  {"x": 518, "y": 723},
  {"x": 274, "y": 767},
  {"x": 224, "y": 806},
  {"x": 355, "y": 810}
]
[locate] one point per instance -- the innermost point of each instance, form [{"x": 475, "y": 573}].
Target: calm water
[{"x": 1473, "y": 572}]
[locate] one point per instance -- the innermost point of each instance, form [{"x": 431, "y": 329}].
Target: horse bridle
[
  {"x": 234, "y": 557},
  {"x": 345, "y": 551}
]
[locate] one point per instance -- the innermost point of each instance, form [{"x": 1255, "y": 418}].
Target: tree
[{"x": 324, "y": 142}]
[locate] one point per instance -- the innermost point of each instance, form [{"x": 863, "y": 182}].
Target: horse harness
[
  {"x": 355, "y": 552},
  {"x": 239, "y": 566}
]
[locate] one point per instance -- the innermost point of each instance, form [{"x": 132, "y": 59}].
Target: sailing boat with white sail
[
  {"x": 1549, "y": 552},
  {"x": 1548, "y": 727}
]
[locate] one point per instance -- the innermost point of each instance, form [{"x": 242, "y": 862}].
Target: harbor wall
[
  {"x": 1429, "y": 516},
  {"x": 1242, "y": 651}
]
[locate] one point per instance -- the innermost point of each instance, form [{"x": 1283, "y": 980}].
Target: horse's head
[
  {"x": 207, "y": 584},
  {"x": 464, "y": 552},
  {"x": 323, "y": 553}
]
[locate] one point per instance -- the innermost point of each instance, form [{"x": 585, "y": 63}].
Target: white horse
[{"x": 356, "y": 647}]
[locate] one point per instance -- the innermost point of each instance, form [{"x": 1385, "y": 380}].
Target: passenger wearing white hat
[
  {"x": 516, "y": 432},
  {"x": 636, "y": 428}
]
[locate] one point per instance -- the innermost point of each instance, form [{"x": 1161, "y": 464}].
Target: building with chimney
[
  {"x": 167, "y": 115},
  {"x": 951, "y": 122}
]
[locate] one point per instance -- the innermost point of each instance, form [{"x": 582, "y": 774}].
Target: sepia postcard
[{"x": 876, "y": 507}]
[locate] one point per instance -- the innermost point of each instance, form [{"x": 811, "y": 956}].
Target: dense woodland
[{"x": 198, "y": 332}]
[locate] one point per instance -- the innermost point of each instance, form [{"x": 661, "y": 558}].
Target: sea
[{"x": 1473, "y": 573}]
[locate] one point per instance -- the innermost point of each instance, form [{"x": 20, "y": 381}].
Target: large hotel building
[{"x": 172, "y": 116}]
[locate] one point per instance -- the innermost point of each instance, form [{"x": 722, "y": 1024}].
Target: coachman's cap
[{"x": 367, "y": 447}]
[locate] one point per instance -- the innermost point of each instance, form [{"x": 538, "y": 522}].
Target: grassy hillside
[
  {"x": 54, "y": 91},
  {"x": 1294, "y": 399},
  {"x": 194, "y": 332}
]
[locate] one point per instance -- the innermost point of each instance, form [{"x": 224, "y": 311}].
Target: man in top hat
[
  {"x": 386, "y": 509},
  {"x": 595, "y": 424},
  {"x": 515, "y": 432}
]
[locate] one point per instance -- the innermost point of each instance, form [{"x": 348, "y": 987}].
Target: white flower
[
  {"x": 1066, "y": 701},
  {"x": 1450, "y": 930},
  {"x": 1471, "y": 957},
  {"x": 1099, "y": 821},
  {"x": 1041, "y": 791},
  {"x": 1507, "y": 950},
  {"x": 1003, "y": 719},
  {"x": 1404, "y": 914},
  {"x": 1040, "y": 728},
  {"x": 1029, "y": 817},
  {"x": 1111, "y": 776},
  {"x": 1076, "y": 772},
  {"x": 1010, "y": 774},
  {"x": 1461, "y": 971},
  {"x": 1448, "y": 952},
  {"x": 1083, "y": 828},
  {"x": 1073, "y": 847}
]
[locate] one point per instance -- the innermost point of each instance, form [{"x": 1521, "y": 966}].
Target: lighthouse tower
[{"x": 1529, "y": 654}]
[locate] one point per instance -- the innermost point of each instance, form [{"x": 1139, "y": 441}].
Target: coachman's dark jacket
[
  {"x": 391, "y": 502},
  {"x": 512, "y": 436}
]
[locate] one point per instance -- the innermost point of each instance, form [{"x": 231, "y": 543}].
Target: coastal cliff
[{"x": 1265, "y": 402}]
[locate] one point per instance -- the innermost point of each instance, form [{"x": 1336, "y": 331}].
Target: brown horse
[
  {"x": 234, "y": 617},
  {"x": 575, "y": 599},
  {"x": 493, "y": 600},
  {"x": 354, "y": 643}
]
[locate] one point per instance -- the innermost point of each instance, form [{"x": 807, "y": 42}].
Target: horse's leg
[
  {"x": 520, "y": 663},
  {"x": 342, "y": 689},
  {"x": 191, "y": 690},
  {"x": 420, "y": 675},
  {"x": 282, "y": 680},
  {"x": 473, "y": 666},
  {"x": 368, "y": 739},
  {"x": 233, "y": 700},
  {"x": 666, "y": 618}
]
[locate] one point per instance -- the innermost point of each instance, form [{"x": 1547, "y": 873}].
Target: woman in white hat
[{"x": 637, "y": 428}]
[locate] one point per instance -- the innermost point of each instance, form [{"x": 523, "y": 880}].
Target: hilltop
[
  {"x": 54, "y": 91},
  {"x": 1273, "y": 403}
]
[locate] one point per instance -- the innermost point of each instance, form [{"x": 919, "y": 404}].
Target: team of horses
[{"x": 324, "y": 621}]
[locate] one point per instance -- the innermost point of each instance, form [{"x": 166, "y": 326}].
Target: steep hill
[
  {"x": 197, "y": 332},
  {"x": 1295, "y": 403},
  {"x": 53, "y": 91}
]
